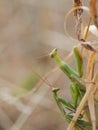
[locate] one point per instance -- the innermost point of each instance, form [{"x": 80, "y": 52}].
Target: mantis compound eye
[{"x": 76, "y": 20}]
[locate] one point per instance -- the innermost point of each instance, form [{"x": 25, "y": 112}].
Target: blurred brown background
[{"x": 29, "y": 30}]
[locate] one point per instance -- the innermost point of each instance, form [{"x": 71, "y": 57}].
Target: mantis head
[
  {"x": 53, "y": 54},
  {"x": 55, "y": 90}
]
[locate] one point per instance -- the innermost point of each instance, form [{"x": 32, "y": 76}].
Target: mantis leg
[
  {"x": 74, "y": 92},
  {"x": 80, "y": 124},
  {"x": 59, "y": 101}
]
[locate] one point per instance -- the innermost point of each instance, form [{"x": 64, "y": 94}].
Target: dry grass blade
[
  {"x": 91, "y": 98},
  {"x": 88, "y": 46},
  {"x": 90, "y": 66},
  {"x": 77, "y": 3},
  {"x": 78, "y": 18},
  {"x": 86, "y": 32},
  {"x": 85, "y": 35},
  {"x": 93, "y": 11}
]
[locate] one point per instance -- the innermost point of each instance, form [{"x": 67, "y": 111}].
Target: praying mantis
[
  {"x": 81, "y": 90},
  {"x": 77, "y": 88}
]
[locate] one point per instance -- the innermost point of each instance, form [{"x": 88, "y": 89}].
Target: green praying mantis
[
  {"x": 82, "y": 91},
  {"x": 78, "y": 92},
  {"x": 77, "y": 109}
]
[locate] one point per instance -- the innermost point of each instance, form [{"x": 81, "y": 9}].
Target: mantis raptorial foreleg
[{"x": 65, "y": 67}]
